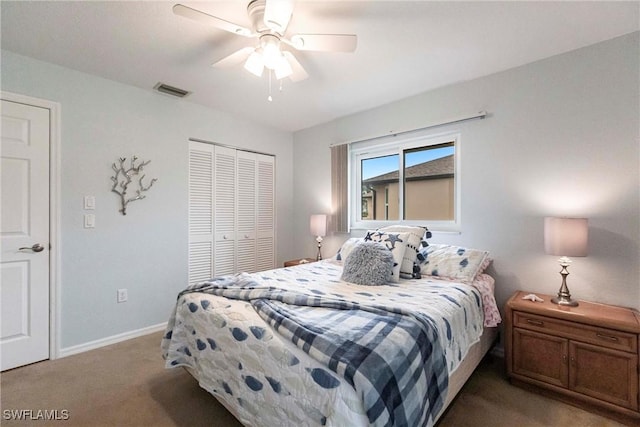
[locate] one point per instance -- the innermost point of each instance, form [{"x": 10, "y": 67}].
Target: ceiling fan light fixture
[
  {"x": 283, "y": 69},
  {"x": 255, "y": 64},
  {"x": 270, "y": 51}
]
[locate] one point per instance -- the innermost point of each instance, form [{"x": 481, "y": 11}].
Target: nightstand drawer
[{"x": 590, "y": 334}]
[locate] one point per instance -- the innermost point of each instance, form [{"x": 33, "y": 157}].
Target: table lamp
[
  {"x": 318, "y": 226},
  {"x": 565, "y": 237}
]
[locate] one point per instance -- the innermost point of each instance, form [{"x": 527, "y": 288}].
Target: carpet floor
[{"x": 126, "y": 384}]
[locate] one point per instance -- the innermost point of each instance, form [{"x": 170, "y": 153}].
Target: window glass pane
[
  {"x": 429, "y": 183},
  {"x": 380, "y": 185}
]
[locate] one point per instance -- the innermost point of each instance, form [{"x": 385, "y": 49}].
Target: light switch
[
  {"x": 89, "y": 202},
  {"x": 89, "y": 221}
]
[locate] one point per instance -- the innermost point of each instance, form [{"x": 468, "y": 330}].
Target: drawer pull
[
  {"x": 607, "y": 337},
  {"x": 535, "y": 322}
]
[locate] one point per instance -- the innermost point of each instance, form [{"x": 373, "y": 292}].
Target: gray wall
[
  {"x": 562, "y": 139},
  {"x": 146, "y": 250}
]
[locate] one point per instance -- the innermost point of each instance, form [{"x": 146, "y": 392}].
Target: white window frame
[{"x": 393, "y": 145}]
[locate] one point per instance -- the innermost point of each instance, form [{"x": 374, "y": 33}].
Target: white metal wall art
[{"x": 123, "y": 178}]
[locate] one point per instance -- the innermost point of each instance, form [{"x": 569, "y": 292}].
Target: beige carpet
[{"x": 125, "y": 384}]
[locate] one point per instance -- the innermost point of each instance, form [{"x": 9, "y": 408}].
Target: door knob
[{"x": 35, "y": 248}]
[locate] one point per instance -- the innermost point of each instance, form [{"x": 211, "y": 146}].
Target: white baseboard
[{"x": 92, "y": 345}]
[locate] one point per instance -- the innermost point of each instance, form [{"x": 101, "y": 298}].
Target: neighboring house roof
[{"x": 437, "y": 168}]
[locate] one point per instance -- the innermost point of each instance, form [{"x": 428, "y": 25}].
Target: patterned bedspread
[{"x": 395, "y": 345}]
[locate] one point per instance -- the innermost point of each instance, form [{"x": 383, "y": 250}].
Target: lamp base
[
  {"x": 564, "y": 296},
  {"x": 564, "y": 301},
  {"x": 319, "y": 256}
]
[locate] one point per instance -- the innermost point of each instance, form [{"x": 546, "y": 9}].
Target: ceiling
[{"x": 404, "y": 48}]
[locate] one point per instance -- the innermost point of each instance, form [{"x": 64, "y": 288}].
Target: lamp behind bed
[{"x": 318, "y": 226}]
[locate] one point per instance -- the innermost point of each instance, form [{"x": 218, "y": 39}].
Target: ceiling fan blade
[
  {"x": 298, "y": 72},
  {"x": 214, "y": 21},
  {"x": 324, "y": 42},
  {"x": 235, "y": 58},
  {"x": 277, "y": 14}
]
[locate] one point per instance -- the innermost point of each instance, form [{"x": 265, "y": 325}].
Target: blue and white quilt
[{"x": 378, "y": 355}]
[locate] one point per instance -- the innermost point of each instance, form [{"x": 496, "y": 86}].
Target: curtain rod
[
  {"x": 204, "y": 141},
  {"x": 479, "y": 115}
]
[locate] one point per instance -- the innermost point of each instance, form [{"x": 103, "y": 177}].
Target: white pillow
[
  {"x": 454, "y": 262},
  {"x": 414, "y": 243},
  {"x": 396, "y": 243},
  {"x": 347, "y": 247}
]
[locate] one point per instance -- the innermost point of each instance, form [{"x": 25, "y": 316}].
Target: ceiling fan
[{"x": 269, "y": 21}]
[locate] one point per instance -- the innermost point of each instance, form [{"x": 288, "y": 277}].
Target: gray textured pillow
[{"x": 369, "y": 263}]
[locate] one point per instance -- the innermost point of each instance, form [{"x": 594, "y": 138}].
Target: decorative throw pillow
[
  {"x": 369, "y": 263},
  {"x": 422, "y": 250},
  {"x": 396, "y": 243},
  {"x": 454, "y": 262},
  {"x": 417, "y": 237},
  {"x": 347, "y": 247}
]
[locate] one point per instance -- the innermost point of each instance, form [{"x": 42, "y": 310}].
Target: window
[{"x": 412, "y": 181}]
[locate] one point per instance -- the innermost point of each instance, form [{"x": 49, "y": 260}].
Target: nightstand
[
  {"x": 295, "y": 262},
  {"x": 586, "y": 355}
]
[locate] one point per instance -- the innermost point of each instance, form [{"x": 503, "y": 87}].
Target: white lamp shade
[
  {"x": 283, "y": 69},
  {"x": 254, "y": 64},
  {"x": 566, "y": 236},
  {"x": 318, "y": 225}
]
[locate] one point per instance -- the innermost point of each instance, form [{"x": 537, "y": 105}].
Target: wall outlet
[{"x": 122, "y": 295}]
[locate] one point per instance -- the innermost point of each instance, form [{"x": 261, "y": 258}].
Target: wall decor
[{"x": 124, "y": 177}]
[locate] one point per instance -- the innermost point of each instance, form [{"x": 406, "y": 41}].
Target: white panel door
[
  {"x": 201, "y": 174},
  {"x": 225, "y": 211},
  {"x": 246, "y": 209},
  {"x": 265, "y": 227},
  {"x": 24, "y": 231}
]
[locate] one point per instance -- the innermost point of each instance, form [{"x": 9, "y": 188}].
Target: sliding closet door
[
  {"x": 265, "y": 258},
  {"x": 225, "y": 211},
  {"x": 201, "y": 173}
]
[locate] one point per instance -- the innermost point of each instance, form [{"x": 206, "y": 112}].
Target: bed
[{"x": 273, "y": 347}]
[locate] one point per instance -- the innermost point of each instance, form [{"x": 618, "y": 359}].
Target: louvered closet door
[
  {"x": 265, "y": 258},
  {"x": 201, "y": 172},
  {"x": 246, "y": 209},
  {"x": 225, "y": 211}
]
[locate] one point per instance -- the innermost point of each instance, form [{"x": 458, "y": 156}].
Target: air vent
[{"x": 170, "y": 90}]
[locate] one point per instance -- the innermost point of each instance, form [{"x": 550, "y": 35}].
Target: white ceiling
[{"x": 404, "y": 48}]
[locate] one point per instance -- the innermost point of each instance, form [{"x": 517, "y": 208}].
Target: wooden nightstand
[
  {"x": 295, "y": 262},
  {"x": 586, "y": 355}
]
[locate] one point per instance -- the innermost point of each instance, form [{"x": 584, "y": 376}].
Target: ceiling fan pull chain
[{"x": 269, "y": 98}]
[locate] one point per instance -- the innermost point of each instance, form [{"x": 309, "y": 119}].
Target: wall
[
  {"x": 146, "y": 250},
  {"x": 562, "y": 139}
]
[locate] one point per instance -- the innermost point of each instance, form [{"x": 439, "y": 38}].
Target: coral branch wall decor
[{"x": 124, "y": 177}]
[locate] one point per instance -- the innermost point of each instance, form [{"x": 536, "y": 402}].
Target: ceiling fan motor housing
[{"x": 255, "y": 9}]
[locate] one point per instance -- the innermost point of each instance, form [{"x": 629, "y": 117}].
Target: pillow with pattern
[
  {"x": 422, "y": 250},
  {"x": 370, "y": 263},
  {"x": 417, "y": 238},
  {"x": 454, "y": 262},
  {"x": 396, "y": 243}
]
